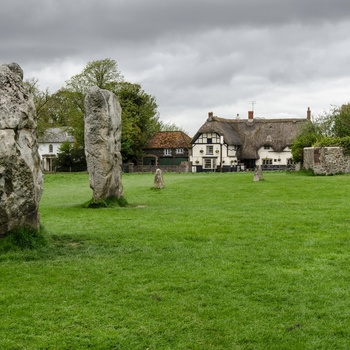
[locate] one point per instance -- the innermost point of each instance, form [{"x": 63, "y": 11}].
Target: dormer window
[
  {"x": 167, "y": 151},
  {"x": 267, "y": 147}
]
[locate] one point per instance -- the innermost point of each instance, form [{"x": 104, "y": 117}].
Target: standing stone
[
  {"x": 103, "y": 125},
  {"x": 258, "y": 176},
  {"x": 158, "y": 179},
  {"x": 21, "y": 178}
]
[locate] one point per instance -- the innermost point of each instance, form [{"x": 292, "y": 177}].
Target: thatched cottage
[{"x": 230, "y": 144}]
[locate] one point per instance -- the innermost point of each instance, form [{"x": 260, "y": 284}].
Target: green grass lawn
[{"x": 213, "y": 261}]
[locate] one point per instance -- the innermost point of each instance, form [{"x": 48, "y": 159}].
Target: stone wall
[
  {"x": 184, "y": 167},
  {"x": 326, "y": 160}
]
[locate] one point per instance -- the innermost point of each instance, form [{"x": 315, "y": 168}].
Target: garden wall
[
  {"x": 182, "y": 168},
  {"x": 326, "y": 160}
]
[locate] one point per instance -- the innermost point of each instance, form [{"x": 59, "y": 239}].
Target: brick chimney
[
  {"x": 308, "y": 113},
  {"x": 250, "y": 116},
  {"x": 210, "y": 116}
]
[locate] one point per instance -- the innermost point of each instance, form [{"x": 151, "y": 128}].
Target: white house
[
  {"x": 49, "y": 144},
  {"x": 230, "y": 144}
]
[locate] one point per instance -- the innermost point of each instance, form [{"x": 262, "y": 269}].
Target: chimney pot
[{"x": 308, "y": 113}]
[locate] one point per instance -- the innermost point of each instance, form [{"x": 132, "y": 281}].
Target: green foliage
[
  {"x": 308, "y": 136},
  {"x": 102, "y": 73},
  {"x": 341, "y": 117},
  {"x": 334, "y": 141},
  {"x": 171, "y": 126},
  {"x": 70, "y": 157},
  {"x": 345, "y": 143},
  {"x": 23, "y": 238},
  {"x": 140, "y": 120}
]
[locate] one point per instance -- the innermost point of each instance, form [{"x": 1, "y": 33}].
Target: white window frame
[
  {"x": 210, "y": 150},
  {"x": 209, "y": 163}
]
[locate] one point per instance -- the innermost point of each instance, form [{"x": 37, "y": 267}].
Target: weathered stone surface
[
  {"x": 103, "y": 126},
  {"x": 258, "y": 176},
  {"x": 326, "y": 160},
  {"x": 158, "y": 179},
  {"x": 21, "y": 179}
]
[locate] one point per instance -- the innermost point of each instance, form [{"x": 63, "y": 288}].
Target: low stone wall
[
  {"x": 326, "y": 160},
  {"x": 182, "y": 168}
]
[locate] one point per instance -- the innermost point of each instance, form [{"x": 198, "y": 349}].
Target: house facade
[
  {"x": 49, "y": 144},
  {"x": 236, "y": 144},
  {"x": 167, "y": 148}
]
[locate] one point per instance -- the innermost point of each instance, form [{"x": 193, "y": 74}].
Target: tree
[
  {"x": 171, "y": 127},
  {"x": 139, "y": 109},
  {"x": 139, "y": 117},
  {"x": 102, "y": 73},
  {"x": 41, "y": 100},
  {"x": 308, "y": 136},
  {"x": 70, "y": 158},
  {"x": 66, "y": 108},
  {"x": 341, "y": 121}
]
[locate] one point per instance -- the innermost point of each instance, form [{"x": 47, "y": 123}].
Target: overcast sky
[{"x": 194, "y": 56}]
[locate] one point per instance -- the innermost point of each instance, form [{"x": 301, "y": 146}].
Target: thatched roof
[
  {"x": 169, "y": 139},
  {"x": 250, "y": 135}
]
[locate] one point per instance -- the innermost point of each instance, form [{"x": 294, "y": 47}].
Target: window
[
  {"x": 50, "y": 149},
  {"x": 267, "y": 161},
  {"x": 266, "y": 147},
  {"x": 167, "y": 152},
  {"x": 209, "y": 140},
  {"x": 210, "y": 149},
  {"x": 290, "y": 161},
  {"x": 209, "y": 163},
  {"x": 179, "y": 150}
]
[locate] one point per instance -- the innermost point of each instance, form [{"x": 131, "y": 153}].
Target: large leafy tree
[
  {"x": 139, "y": 109},
  {"x": 102, "y": 73},
  {"x": 140, "y": 119}
]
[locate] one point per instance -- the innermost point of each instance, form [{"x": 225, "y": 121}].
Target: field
[{"x": 213, "y": 261}]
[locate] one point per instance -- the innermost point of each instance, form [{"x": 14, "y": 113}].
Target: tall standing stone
[
  {"x": 103, "y": 124},
  {"x": 21, "y": 178}
]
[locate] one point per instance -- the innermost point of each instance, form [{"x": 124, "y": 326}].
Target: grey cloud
[{"x": 193, "y": 55}]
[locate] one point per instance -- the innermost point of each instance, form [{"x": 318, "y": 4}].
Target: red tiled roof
[{"x": 169, "y": 139}]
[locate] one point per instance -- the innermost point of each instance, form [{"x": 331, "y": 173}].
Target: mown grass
[{"x": 213, "y": 261}]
